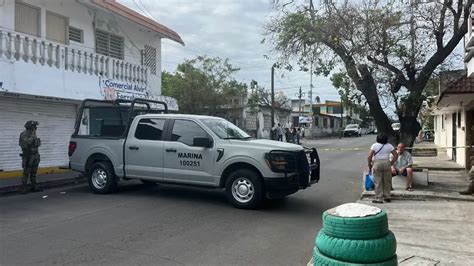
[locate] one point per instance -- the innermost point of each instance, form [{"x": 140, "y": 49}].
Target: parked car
[
  {"x": 118, "y": 140},
  {"x": 352, "y": 130},
  {"x": 396, "y": 127}
]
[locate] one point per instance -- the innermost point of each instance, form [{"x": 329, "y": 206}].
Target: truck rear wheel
[
  {"x": 101, "y": 178},
  {"x": 244, "y": 189}
]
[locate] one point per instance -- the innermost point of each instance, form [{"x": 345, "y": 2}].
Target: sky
[{"x": 228, "y": 29}]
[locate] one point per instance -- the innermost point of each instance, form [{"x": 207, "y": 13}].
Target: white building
[
  {"x": 55, "y": 53},
  {"x": 454, "y": 110}
]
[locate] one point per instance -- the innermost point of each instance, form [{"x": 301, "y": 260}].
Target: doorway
[
  {"x": 455, "y": 126},
  {"x": 469, "y": 138}
]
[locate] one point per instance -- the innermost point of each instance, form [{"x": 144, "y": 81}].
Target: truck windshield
[{"x": 225, "y": 129}]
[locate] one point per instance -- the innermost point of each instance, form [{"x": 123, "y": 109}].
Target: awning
[{"x": 458, "y": 94}]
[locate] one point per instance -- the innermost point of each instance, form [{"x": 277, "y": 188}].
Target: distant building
[{"x": 326, "y": 118}]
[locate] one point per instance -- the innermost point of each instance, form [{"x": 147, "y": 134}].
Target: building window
[
  {"x": 443, "y": 117},
  {"x": 149, "y": 58},
  {"x": 56, "y": 27},
  {"x": 267, "y": 122},
  {"x": 316, "y": 121},
  {"x": 332, "y": 123},
  {"x": 76, "y": 35},
  {"x": 109, "y": 44},
  {"x": 325, "y": 122},
  {"x": 27, "y": 19}
]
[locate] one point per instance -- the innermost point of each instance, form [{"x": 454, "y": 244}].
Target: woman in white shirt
[{"x": 379, "y": 162}]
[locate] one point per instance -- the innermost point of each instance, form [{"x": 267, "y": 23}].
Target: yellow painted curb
[{"x": 41, "y": 171}]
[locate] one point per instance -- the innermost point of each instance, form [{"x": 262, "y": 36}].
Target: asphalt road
[{"x": 175, "y": 225}]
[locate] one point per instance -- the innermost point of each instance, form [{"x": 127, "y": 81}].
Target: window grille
[
  {"x": 149, "y": 58},
  {"x": 109, "y": 44},
  {"x": 76, "y": 35}
]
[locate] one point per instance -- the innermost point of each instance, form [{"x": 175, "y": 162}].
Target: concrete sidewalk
[
  {"x": 434, "y": 223},
  {"x": 431, "y": 232},
  {"x": 445, "y": 180},
  {"x": 12, "y": 185}
]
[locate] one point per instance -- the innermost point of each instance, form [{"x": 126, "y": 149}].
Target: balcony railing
[{"x": 35, "y": 50}]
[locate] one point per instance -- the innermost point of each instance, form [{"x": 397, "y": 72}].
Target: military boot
[
  {"x": 35, "y": 188},
  {"x": 469, "y": 191},
  {"x": 24, "y": 189}
]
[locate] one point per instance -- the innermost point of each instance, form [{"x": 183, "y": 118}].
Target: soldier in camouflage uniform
[{"x": 29, "y": 144}]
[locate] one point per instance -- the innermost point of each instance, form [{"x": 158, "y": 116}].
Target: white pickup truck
[{"x": 123, "y": 139}]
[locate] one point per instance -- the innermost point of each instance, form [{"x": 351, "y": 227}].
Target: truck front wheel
[
  {"x": 101, "y": 178},
  {"x": 244, "y": 189}
]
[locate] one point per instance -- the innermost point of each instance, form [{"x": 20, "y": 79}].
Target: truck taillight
[{"x": 72, "y": 148}]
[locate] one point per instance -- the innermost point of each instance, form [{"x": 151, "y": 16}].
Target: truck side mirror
[{"x": 202, "y": 142}]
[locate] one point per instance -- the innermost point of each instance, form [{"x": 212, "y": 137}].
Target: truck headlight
[{"x": 282, "y": 162}]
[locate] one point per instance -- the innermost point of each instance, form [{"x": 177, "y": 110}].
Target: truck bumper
[
  {"x": 281, "y": 186},
  {"x": 277, "y": 187},
  {"x": 308, "y": 166}
]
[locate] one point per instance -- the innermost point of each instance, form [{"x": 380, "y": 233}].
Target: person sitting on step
[{"x": 404, "y": 166}]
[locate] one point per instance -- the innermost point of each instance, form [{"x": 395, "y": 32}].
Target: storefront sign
[
  {"x": 305, "y": 119},
  {"x": 112, "y": 90}
]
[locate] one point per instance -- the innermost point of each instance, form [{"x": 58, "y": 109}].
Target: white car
[
  {"x": 396, "y": 127},
  {"x": 352, "y": 130}
]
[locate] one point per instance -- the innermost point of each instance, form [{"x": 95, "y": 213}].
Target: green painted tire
[
  {"x": 361, "y": 228},
  {"x": 321, "y": 260},
  {"x": 358, "y": 251}
]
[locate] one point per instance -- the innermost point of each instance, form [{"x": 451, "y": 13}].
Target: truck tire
[
  {"x": 358, "y": 251},
  {"x": 101, "y": 178},
  {"x": 361, "y": 228},
  {"x": 244, "y": 189},
  {"x": 319, "y": 260}
]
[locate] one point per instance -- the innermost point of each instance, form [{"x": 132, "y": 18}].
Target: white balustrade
[{"x": 35, "y": 50}]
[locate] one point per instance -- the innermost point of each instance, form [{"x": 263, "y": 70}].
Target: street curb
[
  {"x": 44, "y": 185},
  {"x": 427, "y": 196},
  {"x": 41, "y": 171},
  {"x": 419, "y": 168}
]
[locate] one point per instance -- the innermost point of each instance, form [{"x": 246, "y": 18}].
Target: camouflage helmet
[{"x": 31, "y": 124}]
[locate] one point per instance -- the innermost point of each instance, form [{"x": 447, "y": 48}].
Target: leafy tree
[
  {"x": 389, "y": 49},
  {"x": 203, "y": 85}
]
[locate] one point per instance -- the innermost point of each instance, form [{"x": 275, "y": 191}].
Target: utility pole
[
  {"x": 273, "y": 97},
  {"x": 299, "y": 95},
  {"x": 311, "y": 90}
]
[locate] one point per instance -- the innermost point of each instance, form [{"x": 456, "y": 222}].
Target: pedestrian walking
[
  {"x": 298, "y": 136},
  {"x": 288, "y": 135},
  {"x": 379, "y": 162},
  {"x": 279, "y": 131},
  {"x": 293, "y": 135},
  {"x": 29, "y": 144}
]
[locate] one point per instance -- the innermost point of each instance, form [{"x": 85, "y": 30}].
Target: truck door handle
[
  {"x": 171, "y": 150},
  {"x": 133, "y": 148}
]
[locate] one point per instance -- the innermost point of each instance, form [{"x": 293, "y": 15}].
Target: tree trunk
[
  {"x": 408, "y": 114},
  {"x": 367, "y": 86},
  {"x": 409, "y": 130}
]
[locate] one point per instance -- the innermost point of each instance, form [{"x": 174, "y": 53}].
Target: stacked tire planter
[{"x": 355, "y": 234}]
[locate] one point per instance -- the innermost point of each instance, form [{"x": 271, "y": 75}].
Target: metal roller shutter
[{"x": 56, "y": 126}]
